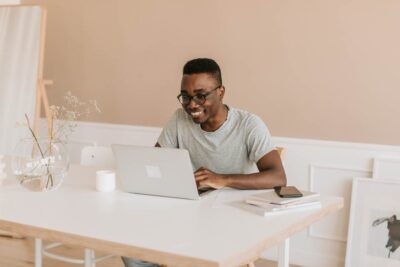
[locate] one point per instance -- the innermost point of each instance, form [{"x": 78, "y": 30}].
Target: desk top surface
[{"x": 218, "y": 230}]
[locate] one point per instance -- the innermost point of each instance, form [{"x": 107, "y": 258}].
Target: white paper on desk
[
  {"x": 273, "y": 198},
  {"x": 269, "y": 207}
]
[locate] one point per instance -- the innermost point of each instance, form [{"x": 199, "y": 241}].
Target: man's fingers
[
  {"x": 200, "y": 177},
  {"x": 203, "y": 183},
  {"x": 200, "y": 169},
  {"x": 201, "y": 172}
]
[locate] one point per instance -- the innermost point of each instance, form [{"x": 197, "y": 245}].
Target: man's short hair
[{"x": 203, "y": 65}]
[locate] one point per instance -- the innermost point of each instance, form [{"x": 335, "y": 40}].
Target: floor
[{"x": 19, "y": 252}]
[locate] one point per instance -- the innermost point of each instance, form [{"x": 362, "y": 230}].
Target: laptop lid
[{"x": 155, "y": 171}]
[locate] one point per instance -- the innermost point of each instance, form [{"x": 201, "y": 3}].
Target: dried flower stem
[{"x": 49, "y": 175}]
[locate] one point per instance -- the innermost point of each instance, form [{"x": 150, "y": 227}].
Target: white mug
[{"x": 105, "y": 180}]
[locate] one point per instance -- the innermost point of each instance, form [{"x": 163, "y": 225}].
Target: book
[
  {"x": 278, "y": 207},
  {"x": 272, "y": 198},
  {"x": 267, "y": 209}
]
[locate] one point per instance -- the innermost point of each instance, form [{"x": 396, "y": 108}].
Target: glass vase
[{"x": 40, "y": 164}]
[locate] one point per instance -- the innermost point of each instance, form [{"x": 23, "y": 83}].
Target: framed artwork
[
  {"x": 374, "y": 227},
  {"x": 386, "y": 168}
]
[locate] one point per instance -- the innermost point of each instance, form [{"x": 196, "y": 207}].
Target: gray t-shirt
[{"x": 234, "y": 148}]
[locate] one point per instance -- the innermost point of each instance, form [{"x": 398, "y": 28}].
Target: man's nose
[{"x": 192, "y": 104}]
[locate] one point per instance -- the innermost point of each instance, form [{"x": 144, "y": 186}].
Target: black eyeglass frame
[{"x": 199, "y": 99}]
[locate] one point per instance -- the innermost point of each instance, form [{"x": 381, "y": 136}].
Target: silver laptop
[{"x": 155, "y": 171}]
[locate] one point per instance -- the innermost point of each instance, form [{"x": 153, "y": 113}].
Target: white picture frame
[
  {"x": 374, "y": 203},
  {"x": 386, "y": 168}
]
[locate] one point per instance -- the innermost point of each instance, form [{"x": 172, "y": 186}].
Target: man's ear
[{"x": 222, "y": 92}]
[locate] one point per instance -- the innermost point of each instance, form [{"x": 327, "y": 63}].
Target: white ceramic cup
[{"x": 105, "y": 180}]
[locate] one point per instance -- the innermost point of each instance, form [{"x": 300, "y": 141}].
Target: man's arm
[{"x": 271, "y": 174}]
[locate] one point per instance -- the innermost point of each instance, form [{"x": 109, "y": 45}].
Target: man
[{"x": 228, "y": 147}]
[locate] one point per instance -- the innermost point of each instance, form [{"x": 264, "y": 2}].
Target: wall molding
[
  {"x": 335, "y": 144},
  {"x": 313, "y": 166},
  {"x": 383, "y": 164},
  {"x": 277, "y": 139}
]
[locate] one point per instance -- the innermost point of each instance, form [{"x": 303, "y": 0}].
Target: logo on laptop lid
[{"x": 153, "y": 171}]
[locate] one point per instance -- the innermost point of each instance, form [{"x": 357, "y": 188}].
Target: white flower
[{"x": 63, "y": 117}]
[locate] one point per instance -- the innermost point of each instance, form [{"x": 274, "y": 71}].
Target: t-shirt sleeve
[
  {"x": 259, "y": 141},
  {"x": 169, "y": 134}
]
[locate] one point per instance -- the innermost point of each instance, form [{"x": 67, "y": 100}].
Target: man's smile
[{"x": 196, "y": 114}]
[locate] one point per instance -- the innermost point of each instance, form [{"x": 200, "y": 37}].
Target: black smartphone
[{"x": 287, "y": 191}]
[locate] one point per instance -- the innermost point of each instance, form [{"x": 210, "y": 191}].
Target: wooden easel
[{"x": 41, "y": 94}]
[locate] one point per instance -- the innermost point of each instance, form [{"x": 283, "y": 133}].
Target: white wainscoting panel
[
  {"x": 386, "y": 168},
  {"x": 324, "y": 166},
  {"x": 334, "y": 180}
]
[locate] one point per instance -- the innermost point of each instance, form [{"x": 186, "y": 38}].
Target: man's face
[{"x": 202, "y": 84}]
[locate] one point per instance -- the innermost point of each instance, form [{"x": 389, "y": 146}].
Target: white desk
[{"x": 164, "y": 230}]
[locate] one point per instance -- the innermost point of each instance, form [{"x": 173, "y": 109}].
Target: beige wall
[{"x": 310, "y": 68}]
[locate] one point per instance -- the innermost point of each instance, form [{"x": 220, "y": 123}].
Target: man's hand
[
  {"x": 207, "y": 178},
  {"x": 271, "y": 174}
]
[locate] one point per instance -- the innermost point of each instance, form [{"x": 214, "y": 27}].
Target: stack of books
[{"x": 270, "y": 202}]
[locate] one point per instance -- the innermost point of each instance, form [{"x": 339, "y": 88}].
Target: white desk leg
[
  {"x": 38, "y": 252},
  {"x": 283, "y": 253},
  {"x": 93, "y": 259},
  {"x": 89, "y": 257}
]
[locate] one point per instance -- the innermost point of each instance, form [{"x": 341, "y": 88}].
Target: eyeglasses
[{"x": 199, "y": 99}]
